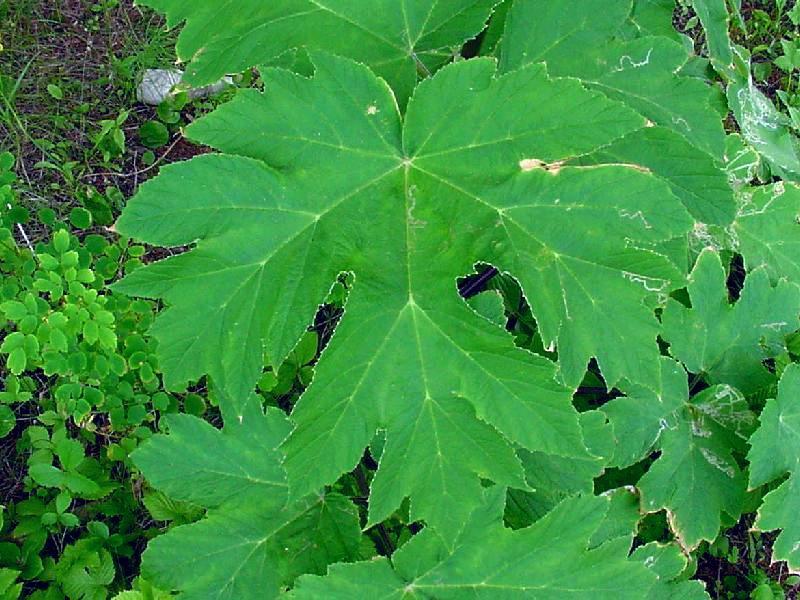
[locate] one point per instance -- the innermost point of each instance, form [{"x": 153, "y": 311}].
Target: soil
[
  {"x": 68, "y": 43},
  {"x": 753, "y": 554}
]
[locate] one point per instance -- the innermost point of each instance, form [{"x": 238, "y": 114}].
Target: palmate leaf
[
  {"x": 397, "y": 38},
  {"x": 251, "y": 543},
  {"x": 584, "y": 40},
  {"x": 321, "y": 176},
  {"x": 729, "y": 343},
  {"x": 551, "y": 559},
  {"x": 697, "y": 478},
  {"x": 775, "y": 451},
  {"x": 640, "y": 417}
]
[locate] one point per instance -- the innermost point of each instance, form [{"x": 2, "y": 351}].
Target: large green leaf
[
  {"x": 399, "y": 39},
  {"x": 697, "y": 478},
  {"x": 729, "y": 343},
  {"x": 583, "y": 40},
  {"x": 403, "y": 206},
  {"x": 251, "y": 543},
  {"x": 551, "y": 559},
  {"x": 775, "y": 451}
]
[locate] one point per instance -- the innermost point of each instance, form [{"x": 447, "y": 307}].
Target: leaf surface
[
  {"x": 639, "y": 418},
  {"x": 775, "y": 451},
  {"x": 399, "y": 39},
  {"x": 696, "y": 478},
  {"x": 551, "y": 478},
  {"x": 692, "y": 174},
  {"x": 669, "y": 563},
  {"x": 582, "y": 39},
  {"x": 251, "y": 543},
  {"x": 552, "y": 558},
  {"x": 654, "y": 17},
  {"x": 728, "y": 343},
  {"x": 766, "y": 230}
]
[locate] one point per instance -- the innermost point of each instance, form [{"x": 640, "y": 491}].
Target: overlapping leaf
[
  {"x": 251, "y": 543},
  {"x": 669, "y": 562},
  {"x": 729, "y": 343},
  {"x": 775, "y": 452},
  {"x": 551, "y": 559},
  {"x": 641, "y": 72},
  {"x": 397, "y": 38},
  {"x": 551, "y": 478},
  {"x": 697, "y": 478},
  {"x": 693, "y": 175},
  {"x": 321, "y": 176},
  {"x": 645, "y": 412},
  {"x": 585, "y": 40}
]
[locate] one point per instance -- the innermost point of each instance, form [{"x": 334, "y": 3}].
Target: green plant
[
  {"x": 77, "y": 361},
  {"x": 153, "y": 134},
  {"x": 523, "y": 324},
  {"x": 606, "y": 218},
  {"x": 9, "y": 588},
  {"x": 110, "y": 140},
  {"x": 745, "y": 575}
]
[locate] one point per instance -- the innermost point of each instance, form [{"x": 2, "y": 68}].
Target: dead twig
[{"x": 137, "y": 173}]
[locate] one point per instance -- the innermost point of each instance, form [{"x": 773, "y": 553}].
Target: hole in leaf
[
  {"x": 386, "y": 537},
  {"x": 472, "y": 285},
  {"x": 653, "y": 527},
  {"x": 593, "y": 391},
  {"x": 697, "y": 383},
  {"x": 736, "y": 277},
  {"x": 614, "y": 477},
  {"x": 283, "y": 386},
  {"x": 498, "y": 297}
]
